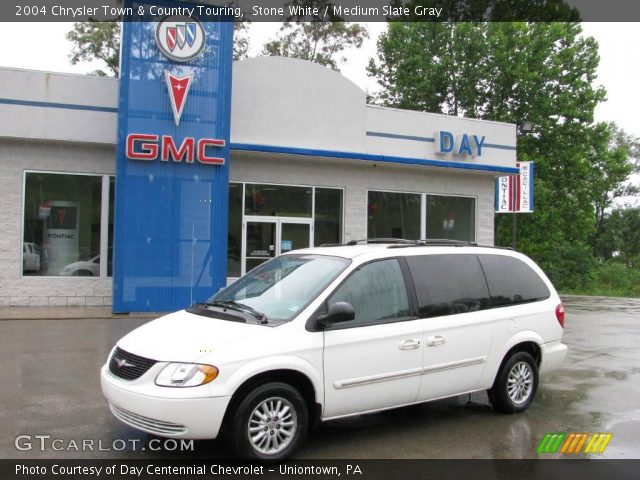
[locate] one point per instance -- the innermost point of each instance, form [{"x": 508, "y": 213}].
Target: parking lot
[{"x": 50, "y": 386}]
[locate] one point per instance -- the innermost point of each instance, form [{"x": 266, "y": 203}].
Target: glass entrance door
[
  {"x": 260, "y": 244},
  {"x": 267, "y": 238}
]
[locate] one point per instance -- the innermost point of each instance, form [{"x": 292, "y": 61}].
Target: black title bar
[
  {"x": 327, "y": 11},
  {"x": 304, "y": 469}
]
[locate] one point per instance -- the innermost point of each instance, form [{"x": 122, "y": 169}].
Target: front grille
[
  {"x": 148, "y": 424},
  {"x": 127, "y": 365}
]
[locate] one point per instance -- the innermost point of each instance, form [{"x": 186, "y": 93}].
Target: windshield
[{"x": 281, "y": 287}]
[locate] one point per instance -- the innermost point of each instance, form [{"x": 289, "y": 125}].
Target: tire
[
  {"x": 82, "y": 273},
  {"x": 273, "y": 445},
  {"x": 516, "y": 384}
]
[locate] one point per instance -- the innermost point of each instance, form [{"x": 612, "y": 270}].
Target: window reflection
[
  {"x": 451, "y": 217},
  {"x": 234, "y": 236},
  {"x": 328, "y": 216},
  {"x": 393, "y": 215},
  {"x": 277, "y": 200},
  {"x": 61, "y": 227}
]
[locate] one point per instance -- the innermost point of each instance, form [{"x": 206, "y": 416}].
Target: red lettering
[
  {"x": 203, "y": 157},
  {"x": 139, "y": 146},
  {"x": 146, "y": 147},
  {"x": 169, "y": 149}
]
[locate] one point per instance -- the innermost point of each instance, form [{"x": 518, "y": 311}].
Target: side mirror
[{"x": 338, "y": 312}]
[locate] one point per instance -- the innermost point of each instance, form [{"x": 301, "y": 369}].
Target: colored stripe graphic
[
  {"x": 550, "y": 442},
  {"x": 598, "y": 443},
  {"x": 573, "y": 443},
  {"x": 568, "y": 442}
]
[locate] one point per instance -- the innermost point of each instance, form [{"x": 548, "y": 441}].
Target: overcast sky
[{"x": 43, "y": 46}]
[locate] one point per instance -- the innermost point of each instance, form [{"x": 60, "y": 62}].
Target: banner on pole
[
  {"x": 524, "y": 188},
  {"x": 504, "y": 194},
  {"x": 514, "y": 193}
]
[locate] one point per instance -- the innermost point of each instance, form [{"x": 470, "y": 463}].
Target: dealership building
[{"x": 134, "y": 194}]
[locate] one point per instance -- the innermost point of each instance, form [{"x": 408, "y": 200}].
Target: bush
[
  {"x": 613, "y": 277},
  {"x": 569, "y": 267}
]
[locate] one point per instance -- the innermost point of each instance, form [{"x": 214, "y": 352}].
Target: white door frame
[{"x": 278, "y": 221}]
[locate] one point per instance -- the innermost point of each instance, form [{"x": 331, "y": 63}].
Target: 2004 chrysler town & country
[{"x": 328, "y": 332}]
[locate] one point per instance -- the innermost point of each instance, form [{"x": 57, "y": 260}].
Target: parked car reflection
[
  {"x": 87, "y": 268},
  {"x": 30, "y": 257}
]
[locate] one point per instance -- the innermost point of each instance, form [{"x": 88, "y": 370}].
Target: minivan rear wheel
[
  {"x": 270, "y": 423},
  {"x": 516, "y": 384}
]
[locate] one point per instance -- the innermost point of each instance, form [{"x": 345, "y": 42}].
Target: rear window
[
  {"x": 511, "y": 281},
  {"x": 448, "y": 284}
]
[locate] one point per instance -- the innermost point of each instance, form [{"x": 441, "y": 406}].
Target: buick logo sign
[{"x": 180, "y": 38}]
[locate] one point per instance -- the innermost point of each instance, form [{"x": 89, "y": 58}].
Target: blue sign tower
[{"x": 172, "y": 174}]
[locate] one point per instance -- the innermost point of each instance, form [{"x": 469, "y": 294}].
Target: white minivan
[{"x": 324, "y": 333}]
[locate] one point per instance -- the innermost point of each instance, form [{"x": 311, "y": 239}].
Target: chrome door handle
[
  {"x": 410, "y": 344},
  {"x": 436, "y": 340}
]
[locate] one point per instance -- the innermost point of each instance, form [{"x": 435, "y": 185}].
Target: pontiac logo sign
[
  {"x": 180, "y": 38},
  {"x": 178, "y": 89}
]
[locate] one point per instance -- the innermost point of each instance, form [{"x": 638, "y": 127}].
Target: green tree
[
  {"x": 433, "y": 67},
  {"x": 95, "y": 40},
  {"x": 614, "y": 156},
  {"x": 511, "y": 72},
  {"x": 240, "y": 40},
  {"x": 319, "y": 42},
  {"x": 622, "y": 232}
]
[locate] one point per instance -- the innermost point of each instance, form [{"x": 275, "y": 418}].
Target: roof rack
[
  {"x": 402, "y": 242},
  {"x": 366, "y": 241},
  {"x": 373, "y": 241},
  {"x": 435, "y": 242}
]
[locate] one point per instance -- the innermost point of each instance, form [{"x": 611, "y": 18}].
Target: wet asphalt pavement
[{"x": 49, "y": 377}]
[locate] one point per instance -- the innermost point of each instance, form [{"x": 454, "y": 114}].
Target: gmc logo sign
[{"x": 149, "y": 147}]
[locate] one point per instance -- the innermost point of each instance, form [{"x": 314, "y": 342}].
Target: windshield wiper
[{"x": 233, "y": 305}]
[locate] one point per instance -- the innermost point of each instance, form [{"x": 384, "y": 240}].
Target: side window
[
  {"x": 511, "y": 281},
  {"x": 376, "y": 291},
  {"x": 448, "y": 284}
]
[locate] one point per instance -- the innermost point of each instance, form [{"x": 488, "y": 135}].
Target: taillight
[{"x": 560, "y": 314}]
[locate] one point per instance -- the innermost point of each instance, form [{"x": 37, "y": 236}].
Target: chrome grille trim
[
  {"x": 135, "y": 366},
  {"x": 148, "y": 424}
]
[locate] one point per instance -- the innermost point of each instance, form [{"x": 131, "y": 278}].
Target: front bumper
[
  {"x": 553, "y": 354},
  {"x": 178, "y": 417}
]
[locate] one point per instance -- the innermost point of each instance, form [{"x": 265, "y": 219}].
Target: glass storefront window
[
  {"x": 261, "y": 200},
  {"x": 234, "y": 236},
  {"x": 451, "y": 217},
  {"x": 61, "y": 230},
  {"x": 112, "y": 203},
  {"x": 328, "y": 216},
  {"x": 277, "y": 200},
  {"x": 393, "y": 215}
]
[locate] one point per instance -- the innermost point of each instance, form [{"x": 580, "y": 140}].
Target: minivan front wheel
[
  {"x": 270, "y": 423},
  {"x": 516, "y": 384}
]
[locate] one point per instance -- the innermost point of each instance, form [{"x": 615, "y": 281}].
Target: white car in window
[
  {"x": 87, "y": 268},
  {"x": 324, "y": 333},
  {"x": 31, "y": 257}
]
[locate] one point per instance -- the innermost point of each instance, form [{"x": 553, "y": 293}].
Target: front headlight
[{"x": 186, "y": 375}]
